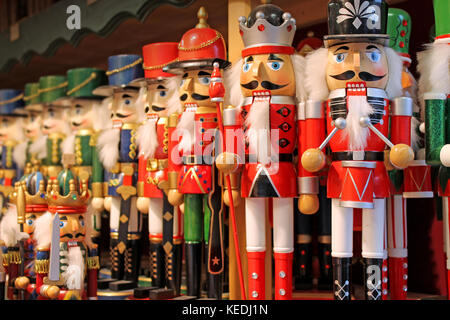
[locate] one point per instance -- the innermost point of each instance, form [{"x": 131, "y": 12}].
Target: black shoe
[
  {"x": 303, "y": 266},
  {"x": 173, "y": 269},
  {"x": 325, "y": 266},
  {"x": 157, "y": 265},
  {"x": 372, "y": 278},
  {"x": 193, "y": 268},
  {"x": 341, "y": 277}
]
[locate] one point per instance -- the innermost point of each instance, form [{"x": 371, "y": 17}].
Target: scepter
[
  {"x": 20, "y": 202},
  {"x": 217, "y": 92}
]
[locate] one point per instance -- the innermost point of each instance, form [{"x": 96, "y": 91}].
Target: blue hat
[
  {"x": 122, "y": 69},
  {"x": 11, "y": 102}
]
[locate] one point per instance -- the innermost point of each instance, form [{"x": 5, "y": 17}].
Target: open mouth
[{"x": 117, "y": 124}]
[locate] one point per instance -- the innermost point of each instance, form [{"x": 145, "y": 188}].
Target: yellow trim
[
  {"x": 128, "y": 66},
  {"x": 93, "y": 263},
  {"x": 59, "y": 86},
  {"x": 41, "y": 266},
  {"x": 130, "y": 236},
  {"x": 114, "y": 294},
  {"x": 16, "y": 98},
  {"x": 172, "y": 177},
  {"x": 30, "y": 97},
  {"x": 131, "y": 126},
  {"x": 202, "y": 45},
  {"x": 82, "y": 84},
  {"x": 195, "y": 177},
  {"x": 85, "y": 132},
  {"x": 160, "y": 66}
]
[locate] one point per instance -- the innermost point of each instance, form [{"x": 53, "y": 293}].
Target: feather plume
[
  {"x": 43, "y": 230},
  {"x": 39, "y": 147},
  {"x": 185, "y": 129},
  {"x": 101, "y": 113},
  {"x": 74, "y": 274},
  {"x": 68, "y": 144},
  {"x": 19, "y": 154},
  {"x": 258, "y": 134},
  {"x": 147, "y": 139},
  {"x": 315, "y": 75},
  {"x": 357, "y": 136},
  {"x": 299, "y": 70},
  {"x": 108, "y": 147},
  {"x": 173, "y": 103},
  {"x": 394, "y": 86},
  {"x": 140, "y": 104},
  {"x": 10, "y": 230},
  {"x": 232, "y": 82}
]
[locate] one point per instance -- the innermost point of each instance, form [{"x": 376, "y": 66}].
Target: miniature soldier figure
[
  {"x": 415, "y": 180},
  {"x": 197, "y": 182},
  {"x": 55, "y": 126},
  {"x": 264, "y": 108},
  {"x": 357, "y": 74},
  {"x": 304, "y": 223},
  {"x": 164, "y": 220},
  {"x": 66, "y": 259},
  {"x": 88, "y": 116},
  {"x": 434, "y": 86},
  {"x": 118, "y": 153}
]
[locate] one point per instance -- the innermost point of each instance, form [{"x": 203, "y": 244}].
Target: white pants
[{"x": 135, "y": 218}]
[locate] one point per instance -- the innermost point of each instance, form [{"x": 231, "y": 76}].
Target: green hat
[
  {"x": 52, "y": 88},
  {"x": 399, "y": 29},
  {"x": 82, "y": 81},
  {"x": 441, "y": 17},
  {"x": 31, "y": 96}
]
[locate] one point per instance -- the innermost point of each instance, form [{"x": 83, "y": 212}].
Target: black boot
[
  {"x": 193, "y": 268},
  {"x": 303, "y": 266},
  {"x": 117, "y": 262},
  {"x": 157, "y": 265},
  {"x": 173, "y": 269},
  {"x": 341, "y": 277},
  {"x": 372, "y": 278},
  {"x": 325, "y": 267},
  {"x": 132, "y": 261}
]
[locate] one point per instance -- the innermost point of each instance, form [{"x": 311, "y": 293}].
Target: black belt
[
  {"x": 198, "y": 160},
  {"x": 283, "y": 157},
  {"x": 368, "y": 156}
]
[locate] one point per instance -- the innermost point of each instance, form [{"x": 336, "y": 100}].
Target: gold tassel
[
  {"x": 41, "y": 266},
  {"x": 93, "y": 263}
]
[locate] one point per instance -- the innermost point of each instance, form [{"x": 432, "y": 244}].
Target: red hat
[
  {"x": 158, "y": 55},
  {"x": 309, "y": 44},
  {"x": 200, "y": 47}
]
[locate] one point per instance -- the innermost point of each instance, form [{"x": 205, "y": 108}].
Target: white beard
[
  {"x": 258, "y": 133},
  {"x": 147, "y": 138},
  {"x": 357, "y": 136},
  {"x": 186, "y": 128},
  {"x": 68, "y": 144},
  {"x": 108, "y": 147},
  {"x": 74, "y": 275}
]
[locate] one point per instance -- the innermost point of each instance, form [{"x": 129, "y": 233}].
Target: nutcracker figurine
[
  {"x": 415, "y": 180},
  {"x": 164, "y": 220},
  {"x": 87, "y": 119},
  {"x": 264, "y": 89},
  {"x": 197, "y": 181},
  {"x": 434, "y": 86},
  {"x": 118, "y": 154},
  {"x": 304, "y": 223},
  {"x": 359, "y": 78},
  {"x": 55, "y": 124},
  {"x": 66, "y": 260}
]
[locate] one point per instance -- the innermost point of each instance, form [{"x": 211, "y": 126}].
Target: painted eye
[
  {"x": 340, "y": 57},
  {"x": 147, "y": 109},
  {"x": 32, "y": 119},
  {"x": 127, "y": 101},
  {"x": 51, "y": 114},
  {"x": 162, "y": 93},
  {"x": 246, "y": 66},
  {"x": 374, "y": 56},
  {"x": 82, "y": 223},
  {"x": 204, "y": 80},
  {"x": 62, "y": 224},
  {"x": 78, "y": 111},
  {"x": 275, "y": 65},
  {"x": 30, "y": 222}
]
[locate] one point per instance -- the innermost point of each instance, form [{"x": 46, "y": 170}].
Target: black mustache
[
  {"x": 157, "y": 109},
  {"x": 195, "y": 96},
  {"x": 366, "y": 76},
  {"x": 265, "y": 84},
  {"x": 47, "y": 127},
  {"x": 76, "y": 124},
  {"x": 120, "y": 115},
  {"x": 347, "y": 75},
  {"x": 69, "y": 235}
]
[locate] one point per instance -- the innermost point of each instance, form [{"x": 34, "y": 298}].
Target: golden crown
[{"x": 74, "y": 198}]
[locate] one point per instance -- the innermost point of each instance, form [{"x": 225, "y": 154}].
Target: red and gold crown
[
  {"x": 263, "y": 36},
  {"x": 74, "y": 202}
]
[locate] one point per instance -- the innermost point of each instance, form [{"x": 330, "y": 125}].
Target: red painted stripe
[
  {"x": 393, "y": 220},
  {"x": 267, "y": 49}
]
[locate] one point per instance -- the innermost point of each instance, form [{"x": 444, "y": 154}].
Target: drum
[
  {"x": 358, "y": 184},
  {"x": 417, "y": 180}
]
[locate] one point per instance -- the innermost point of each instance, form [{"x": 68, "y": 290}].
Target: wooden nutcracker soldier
[
  {"x": 197, "y": 181},
  {"x": 264, "y": 110},
  {"x": 415, "y": 180},
  {"x": 66, "y": 259},
  {"x": 359, "y": 78},
  {"x": 55, "y": 125},
  {"x": 304, "y": 223},
  {"x": 434, "y": 86},
  {"x": 118, "y": 151},
  {"x": 164, "y": 220},
  {"x": 88, "y": 117}
]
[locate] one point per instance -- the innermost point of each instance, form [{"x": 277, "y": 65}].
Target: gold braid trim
[
  {"x": 41, "y": 266},
  {"x": 14, "y": 257},
  {"x": 59, "y": 86},
  {"x": 93, "y": 263},
  {"x": 81, "y": 85},
  {"x": 5, "y": 259},
  {"x": 160, "y": 66},
  {"x": 17, "y": 98},
  {"x": 128, "y": 66},
  {"x": 202, "y": 45},
  {"x": 31, "y": 97}
]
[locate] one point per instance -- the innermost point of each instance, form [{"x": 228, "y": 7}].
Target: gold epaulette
[
  {"x": 14, "y": 257},
  {"x": 93, "y": 263},
  {"x": 5, "y": 259},
  {"x": 41, "y": 266}
]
